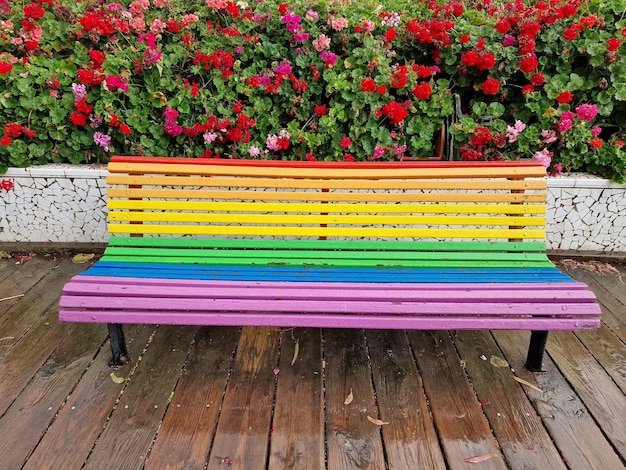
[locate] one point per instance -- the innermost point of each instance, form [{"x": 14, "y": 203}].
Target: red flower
[
  {"x": 528, "y": 89},
  {"x": 537, "y": 79},
  {"x": 173, "y": 26},
  {"x": 613, "y": 44},
  {"x": 5, "y": 67},
  {"x": 114, "y": 122},
  {"x": 28, "y": 132},
  {"x": 381, "y": 90},
  {"x": 464, "y": 39},
  {"x": 310, "y": 157},
  {"x": 345, "y": 142},
  {"x": 97, "y": 57},
  {"x": 320, "y": 110},
  {"x": 394, "y": 111},
  {"x": 503, "y": 26},
  {"x": 491, "y": 86},
  {"x": 390, "y": 34},
  {"x": 596, "y": 143},
  {"x": 368, "y": 85},
  {"x": 487, "y": 61},
  {"x": 283, "y": 8},
  {"x": 78, "y": 119},
  {"x": 83, "y": 107},
  {"x": 470, "y": 58},
  {"x": 347, "y": 157},
  {"x": 34, "y": 11},
  {"x": 12, "y": 129},
  {"x": 564, "y": 97},
  {"x": 5, "y": 141},
  {"x": 528, "y": 64},
  {"x": 570, "y": 34},
  {"x": 422, "y": 91},
  {"x": 7, "y": 185},
  {"x": 124, "y": 129}
]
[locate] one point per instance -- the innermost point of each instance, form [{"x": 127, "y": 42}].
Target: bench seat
[{"x": 435, "y": 246}]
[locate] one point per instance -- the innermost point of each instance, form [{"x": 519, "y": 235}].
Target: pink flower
[
  {"x": 596, "y": 131},
  {"x": 544, "y": 157},
  {"x": 339, "y": 24},
  {"x": 587, "y": 112},
  {"x": 115, "y": 82},
  {"x": 513, "y": 131},
  {"x": 284, "y": 68},
  {"x": 171, "y": 114},
  {"x": 321, "y": 43},
  {"x": 564, "y": 125},
  {"x": 549, "y": 136}
]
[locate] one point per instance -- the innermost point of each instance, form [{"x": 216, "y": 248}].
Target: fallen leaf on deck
[
  {"x": 377, "y": 422},
  {"x": 498, "y": 362},
  {"x": 349, "y": 398},
  {"x": 480, "y": 458},
  {"x": 82, "y": 258},
  {"x": 296, "y": 350},
  {"x": 528, "y": 384},
  {"x": 116, "y": 379}
]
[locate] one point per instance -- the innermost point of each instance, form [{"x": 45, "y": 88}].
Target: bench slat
[
  {"x": 383, "y": 232},
  {"x": 139, "y": 193},
  {"x": 355, "y": 257},
  {"x": 265, "y": 218},
  {"x": 313, "y": 172},
  {"x": 343, "y": 245},
  {"x": 329, "y": 274},
  {"x": 351, "y": 184},
  {"x": 311, "y": 320},
  {"x": 512, "y": 209},
  {"x": 296, "y": 291},
  {"x": 329, "y": 306}
]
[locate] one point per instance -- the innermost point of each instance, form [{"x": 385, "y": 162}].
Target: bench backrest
[{"x": 269, "y": 199}]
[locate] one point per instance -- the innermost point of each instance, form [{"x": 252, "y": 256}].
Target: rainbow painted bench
[{"x": 410, "y": 245}]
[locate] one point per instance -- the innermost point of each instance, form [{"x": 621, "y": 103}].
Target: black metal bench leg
[
  {"x": 118, "y": 345},
  {"x": 536, "y": 348}
]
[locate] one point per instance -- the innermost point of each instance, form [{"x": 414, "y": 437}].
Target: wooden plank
[
  {"x": 40, "y": 281},
  {"x": 297, "y": 436},
  {"x": 521, "y": 436},
  {"x": 225, "y": 195},
  {"x": 245, "y": 424},
  {"x": 463, "y": 428},
  {"x": 410, "y": 439},
  {"x": 352, "y": 440},
  {"x": 185, "y": 436},
  {"x": 235, "y": 206},
  {"x": 352, "y": 245},
  {"x": 18, "y": 281},
  {"x": 602, "y": 397},
  {"x": 573, "y": 429},
  {"x": 78, "y": 423},
  {"x": 27, "y": 419},
  {"x": 264, "y": 217},
  {"x": 342, "y": 172},
  {"x": 128, "y": 435},
  {"x": 609, "y": 351},
  {"x": 347, "y": 183}
]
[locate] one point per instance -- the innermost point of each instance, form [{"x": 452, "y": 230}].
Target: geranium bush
[{"x": 334, "y": 80}]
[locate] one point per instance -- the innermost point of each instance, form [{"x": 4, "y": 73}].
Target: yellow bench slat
[
  {"x": 113, "y": 204},
  {"x": 384, "y": 232},
  {"x": 138, "y": 193},
  {"x": 394, "y": 184},
  {"x": 293, "y": 219}
]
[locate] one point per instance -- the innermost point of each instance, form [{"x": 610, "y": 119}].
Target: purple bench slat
[
  {"x": 269, "y": 291},
  {"x": 333, "y": 321},
  {"x": 330, "y": 306},
  {"x": 140, "y": 281}
]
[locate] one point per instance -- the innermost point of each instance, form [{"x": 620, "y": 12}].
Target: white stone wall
[
  {"x": 54, "y": 203},
  {"x": 66, "y": 204}
]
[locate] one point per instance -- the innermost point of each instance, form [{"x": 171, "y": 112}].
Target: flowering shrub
[{"x": 341, "y": 79}]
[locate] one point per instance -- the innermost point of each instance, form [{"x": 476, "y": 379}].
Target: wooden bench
[{"x": 411, "y": 245}]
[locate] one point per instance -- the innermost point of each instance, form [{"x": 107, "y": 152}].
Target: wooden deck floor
[{"x": 257, "y": 398}]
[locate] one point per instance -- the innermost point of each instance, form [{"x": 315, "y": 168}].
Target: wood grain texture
[
  {"x": 128, "y": 435},
  {"x": 245, "y": 417},
  {"x": 410, "y": 438},
  {"x": 296, "y": 438},
  {"x": 352, "y": 440},
  {"x": 517, "y": 427},
  {"x": 188, "y": 428},
  {"x": 463, "y": 428},
  {"x": 573, "y": 429},
  {"x": 79, "y": 422}
]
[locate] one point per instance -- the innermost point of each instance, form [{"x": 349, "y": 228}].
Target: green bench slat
[{"x": 392, "y": 245}]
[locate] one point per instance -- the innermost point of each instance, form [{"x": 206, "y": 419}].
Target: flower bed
[{"x": 330, "y": 80}]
